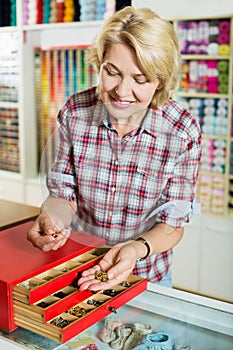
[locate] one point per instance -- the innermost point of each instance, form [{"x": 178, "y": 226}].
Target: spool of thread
[
  {"x": 39, "y": 11},
  {"x": 222, "y": 102},
  {"x": 221, "y": 111},
  {"x": 209, "y": 110},
  {"x": 209, "y": 119},
  {"x": 221, "y": 130},
  {"x": 212, "y": 48},
  {"x": 223, "y": 88},
  {"x": 213, "y": 38},
  {"x": 25, "y": 12},
  {"x": 60, "y": 10},
  {"x": 222, "y": 66},
  {"x": 195, "y": 102},
  {"x": 220, "y": 143},
  {"x": 219, "y": 152},
  {"x": 224, "y": 50},
  {"x": 218, "y": 169},
  {"x": 68, "y": 11},
  {"x": 76, "y": 10},
  {"x": 224, "y": 26},
  {"x": 223, "y": 78},
  {"x": 223, "y": 38},
  {"x": 203, "y": 32},
  {"x": 53, "y": 12},
  {"x": 221, "y": 121},
  {"x": 207, "y": 129},
  {"x": 46, "y": 11},
  {"x": 213, "y": 88},
  {"x": 208, "y": 102}
]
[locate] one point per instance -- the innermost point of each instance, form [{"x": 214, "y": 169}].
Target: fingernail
[
  {"x": 110, "y": 275},
  {"x": 50, "y": 231}
]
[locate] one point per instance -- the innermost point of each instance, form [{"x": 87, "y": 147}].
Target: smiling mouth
[{"x": 121, "y": 104}]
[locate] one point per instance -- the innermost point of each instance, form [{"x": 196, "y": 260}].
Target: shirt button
[
  {"x": 113, "y": 189},
  {"x": 110, "y": 213},
  {"x": 116, "y": 162}
]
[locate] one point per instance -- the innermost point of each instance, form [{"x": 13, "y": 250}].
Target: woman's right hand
[{"x": 48, "y": 233}]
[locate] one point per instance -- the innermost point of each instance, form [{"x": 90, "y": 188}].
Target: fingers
[
  {"x": 90, "y": 282},
  {"x": 90, "y": 272},
  {"x": 115, "y": 275},
  {"x": 45, "y": 236},
  {"x": 118, "y": 262}
]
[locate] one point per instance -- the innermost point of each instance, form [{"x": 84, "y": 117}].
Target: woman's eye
[
  {"x": 112, "y": 73},
  {"x": 141, "y": 82}
]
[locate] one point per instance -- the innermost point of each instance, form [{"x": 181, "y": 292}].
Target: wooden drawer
[{"x": 69, "y": 316}]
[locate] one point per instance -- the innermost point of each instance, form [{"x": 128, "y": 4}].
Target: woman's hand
[
  {"x": 118, "y": 262},
  {"x": 48, "y": 233}
]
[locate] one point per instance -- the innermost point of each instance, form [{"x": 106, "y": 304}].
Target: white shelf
[
  {"x": 205, "y": 57},
  {"x": 4, "y": 104},
  {"x": 52, "y": 26},
  {"x": 191, "y": 94}
]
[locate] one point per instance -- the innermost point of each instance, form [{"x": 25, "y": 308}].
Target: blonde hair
[{"x": 155, "y": 44}]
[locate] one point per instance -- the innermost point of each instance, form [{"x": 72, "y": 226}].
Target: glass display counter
[{"x": 192, "y": 321}]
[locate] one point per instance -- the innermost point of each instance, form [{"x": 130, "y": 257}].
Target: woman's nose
[{"x": 123, "y": 88}]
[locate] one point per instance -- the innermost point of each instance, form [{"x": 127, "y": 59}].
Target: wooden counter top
[{"x": 12, "y": 213}]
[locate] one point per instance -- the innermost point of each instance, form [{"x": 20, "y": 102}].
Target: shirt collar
[
  {"x": 152, "y": 122},
  {"x": 100, "y": 114}
]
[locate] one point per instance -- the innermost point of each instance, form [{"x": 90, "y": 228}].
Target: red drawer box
[
  {"x": 38, "y": 289},
  {"x": 20, "y": 261}
]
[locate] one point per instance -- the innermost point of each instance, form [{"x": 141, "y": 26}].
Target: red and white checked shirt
[{"x": 123, "y": 187}]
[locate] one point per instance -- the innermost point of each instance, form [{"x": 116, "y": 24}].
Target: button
[
  {"x": 113, "y": 189},
  {"x": 116, "y": 162},
  {"x": 110, "y": 213}
]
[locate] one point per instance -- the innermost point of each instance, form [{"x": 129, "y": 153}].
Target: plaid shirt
[{"x": 123, "y": 187}]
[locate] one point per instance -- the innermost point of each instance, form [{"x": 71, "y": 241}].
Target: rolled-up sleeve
[
  {"x": 61, "y": 179},
  {"x": 178, "y": 203}
]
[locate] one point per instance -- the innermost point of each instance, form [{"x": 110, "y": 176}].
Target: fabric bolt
[{"x": 124, "y": 187}]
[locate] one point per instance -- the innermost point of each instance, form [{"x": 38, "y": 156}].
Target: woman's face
[{"x": 124, "y": 88}]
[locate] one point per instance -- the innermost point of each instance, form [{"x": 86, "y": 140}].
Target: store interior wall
[
  {"x": 187, "y": 8},
  {"x": 210, "y": 239}
]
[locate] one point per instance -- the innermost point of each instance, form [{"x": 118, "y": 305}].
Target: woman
[{"x": 128, "y": 155}]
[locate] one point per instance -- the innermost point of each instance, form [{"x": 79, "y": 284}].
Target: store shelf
[{"x": 72, "y": 25}]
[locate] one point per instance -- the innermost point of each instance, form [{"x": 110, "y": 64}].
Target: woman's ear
[{"x": 160, "y": 85}]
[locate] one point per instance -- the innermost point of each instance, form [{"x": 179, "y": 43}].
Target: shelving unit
[
  {"x": 206, "y": 89},
  {"x": 24, "y": 184},
  {"x": 205, "y": 245}
]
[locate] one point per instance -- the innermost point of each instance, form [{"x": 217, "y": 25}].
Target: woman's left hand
[{"x": 118, "y": 262}]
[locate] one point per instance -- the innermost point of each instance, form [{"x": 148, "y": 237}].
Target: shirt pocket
[
  {"x": 147, "y": 187},
  {"x": 92, "y": 182}
]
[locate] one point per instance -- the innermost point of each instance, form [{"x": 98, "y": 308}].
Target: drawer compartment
[
  {"x": 53, "y": 305},
  {"x": 60, "y": 276},
  {"x": 78, "y": 316}
]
